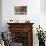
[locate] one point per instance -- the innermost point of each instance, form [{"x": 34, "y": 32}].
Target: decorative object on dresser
[
  {"x": 22, "y": 33},
  {"x": 13, "y": 21}
]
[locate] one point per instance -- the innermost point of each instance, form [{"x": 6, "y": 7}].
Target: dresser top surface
[{"x": 19, "y": 23}]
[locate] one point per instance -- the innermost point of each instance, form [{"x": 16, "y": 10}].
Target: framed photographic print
[{"x": 20, "y": 10}]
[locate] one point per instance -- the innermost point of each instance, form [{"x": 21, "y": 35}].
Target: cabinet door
[
  {"x": 24, "y": 38},
  {"x": 20, "y": 37}
]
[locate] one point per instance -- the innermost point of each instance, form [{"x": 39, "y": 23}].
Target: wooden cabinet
[{"x": 22, "y": 33}]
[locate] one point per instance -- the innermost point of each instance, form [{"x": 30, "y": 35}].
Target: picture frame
[{"x": 20, "y": 10}]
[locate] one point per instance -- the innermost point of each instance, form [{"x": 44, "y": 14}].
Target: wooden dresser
[{"x": 22, "y": 33}]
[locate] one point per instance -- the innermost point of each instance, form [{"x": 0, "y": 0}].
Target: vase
[{"x": 41, "y": 43}]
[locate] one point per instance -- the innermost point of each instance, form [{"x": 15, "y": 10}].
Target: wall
[
  {"x": 33, "y": 11},
  {"x": 43, "y": 6},
  {"x": 0, "y": 15},
  {"x": 43, "y": 14},
  {"x": 34, "y": 14}
]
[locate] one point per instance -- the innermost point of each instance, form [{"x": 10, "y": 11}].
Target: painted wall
[
  {"x": 43, "y": 14},
  {"x": 33, "y": 14},
  {"x": 43, "y": 6},
  {"x": 33, "y": 11},
  {"x": 0, "y": 15}
]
